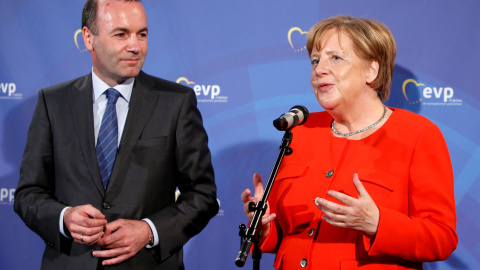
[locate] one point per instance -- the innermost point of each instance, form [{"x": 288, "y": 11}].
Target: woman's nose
[{"x": 320, "y": 68}]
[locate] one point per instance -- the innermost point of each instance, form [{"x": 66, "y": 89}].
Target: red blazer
[{"x": 406, "y": 169}]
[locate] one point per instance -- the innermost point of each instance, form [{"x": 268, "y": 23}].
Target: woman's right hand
[{"x": 247, "y": 198}]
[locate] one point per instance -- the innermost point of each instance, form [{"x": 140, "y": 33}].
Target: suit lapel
[
  {"x": 81, "y": 105},
  {"x": 141, "y": 104}
]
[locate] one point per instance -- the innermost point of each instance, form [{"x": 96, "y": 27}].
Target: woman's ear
[{"x": 372, "y": 71}]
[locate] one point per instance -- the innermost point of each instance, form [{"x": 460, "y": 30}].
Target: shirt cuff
[
  {"x": 60, "y": 222},
  {"x": 154, "y": 232}
]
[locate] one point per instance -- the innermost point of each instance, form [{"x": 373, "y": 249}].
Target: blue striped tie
[{"x": 107, "y": 142}]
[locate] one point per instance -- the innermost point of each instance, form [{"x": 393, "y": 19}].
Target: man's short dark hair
[{"x": 89, "y": 15}]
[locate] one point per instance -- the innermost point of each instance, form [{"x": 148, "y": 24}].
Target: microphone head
[
  {"x": 303, "y": 116},
  {"x": 296, "y": 116},
  {"x": 280, "y": 123}
]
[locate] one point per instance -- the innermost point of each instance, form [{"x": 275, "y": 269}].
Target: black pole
[{"x": 253, "y": 235}]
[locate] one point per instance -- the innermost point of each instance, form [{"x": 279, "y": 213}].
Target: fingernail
[{"x": 316, "y": 203}]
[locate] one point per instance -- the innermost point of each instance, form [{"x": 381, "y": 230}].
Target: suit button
[
  {"x": 106, "y": 205},
  {"x": 311, "y": 232},
  {"x": 329, "y": 174},
  {"x": 303, "y": 263}
]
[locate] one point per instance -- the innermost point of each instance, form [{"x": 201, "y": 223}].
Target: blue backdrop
[{"x": 247, "y": 62}]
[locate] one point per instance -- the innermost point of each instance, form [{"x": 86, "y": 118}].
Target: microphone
[{"x": 295, "y": 117}]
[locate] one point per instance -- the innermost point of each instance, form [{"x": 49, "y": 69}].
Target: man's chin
[{"x": 130, "y": 72}]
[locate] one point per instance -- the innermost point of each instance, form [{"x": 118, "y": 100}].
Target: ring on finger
[{"x": 81, "y": 238}]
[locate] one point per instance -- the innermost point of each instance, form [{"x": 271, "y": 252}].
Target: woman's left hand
[{"x": 360, "y": 214}]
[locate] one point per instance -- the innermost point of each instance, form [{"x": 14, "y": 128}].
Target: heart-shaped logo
[
  {"x": 75, "y": 38},
  {"x": 404, "y": 87},
  {"x": 183, "y": 79},
  {"x": 294, "y": 29}
]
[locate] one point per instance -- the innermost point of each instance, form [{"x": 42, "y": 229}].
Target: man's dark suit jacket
[{"x": 163, "y": 146}]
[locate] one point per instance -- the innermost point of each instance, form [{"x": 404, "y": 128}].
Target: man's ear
[
  {"x": 87, "y": 38},
  {"x": 372, "y": 71}
]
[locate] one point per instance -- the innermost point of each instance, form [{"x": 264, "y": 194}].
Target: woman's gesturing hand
[
  {"x": 247, "y": 198},
  {"x": 361, "y": 214}
]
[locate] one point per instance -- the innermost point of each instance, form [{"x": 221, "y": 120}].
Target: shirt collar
[{"x": 100, "y": 86}]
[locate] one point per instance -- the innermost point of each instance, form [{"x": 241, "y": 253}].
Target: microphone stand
[{"x": 253, "y": 233}]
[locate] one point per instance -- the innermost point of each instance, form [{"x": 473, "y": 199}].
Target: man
[{"x": 116, "y": 210}]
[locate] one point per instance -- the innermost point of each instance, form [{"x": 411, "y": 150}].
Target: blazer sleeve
[
  {"x": 197, "y": 203},
  {"x": 427, "y": 233},
  {"x": 35, "y": 202}
]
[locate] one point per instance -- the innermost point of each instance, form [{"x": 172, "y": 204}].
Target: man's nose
[{"x": 133, "y": 44}]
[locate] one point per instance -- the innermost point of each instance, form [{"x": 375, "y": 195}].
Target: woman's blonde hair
[{"x": 372, "y": 41}]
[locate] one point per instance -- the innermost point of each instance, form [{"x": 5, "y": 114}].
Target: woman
[{"x": 367, "y": 186}]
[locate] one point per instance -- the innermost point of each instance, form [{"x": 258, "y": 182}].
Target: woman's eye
[
  {"x": 336, "y": 57},
  {"x": 314, "y": 62}
]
